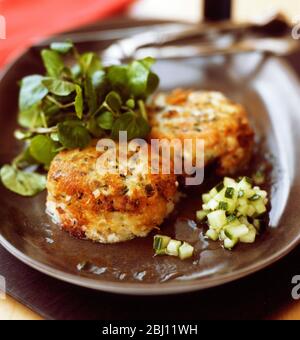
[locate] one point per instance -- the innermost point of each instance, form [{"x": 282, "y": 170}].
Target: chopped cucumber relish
[
  {"x": 164, "y": 245},
  {"x": 232, "y": 210}
]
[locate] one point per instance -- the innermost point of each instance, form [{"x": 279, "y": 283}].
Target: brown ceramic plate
[{"x": 269, "y": 91}]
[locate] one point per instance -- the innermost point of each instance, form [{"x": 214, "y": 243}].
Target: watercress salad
[{"x": 70, "y": 105}]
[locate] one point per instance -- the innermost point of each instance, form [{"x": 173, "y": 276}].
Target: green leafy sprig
[{"x": 70, "y": 105}]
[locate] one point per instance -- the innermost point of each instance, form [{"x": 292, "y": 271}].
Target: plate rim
[{"x": 147, "y": 289}]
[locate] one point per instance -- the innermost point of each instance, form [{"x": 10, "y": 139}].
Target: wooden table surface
[{"x": 189, "y": 10}]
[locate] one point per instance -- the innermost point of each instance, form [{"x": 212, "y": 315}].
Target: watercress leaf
[
  {"x": 42, "y": 149},
  {"x": 90, "y": 95},
  {"x": 113, "y": 101},
  {"x": 138, "y": 76},
  {"x": 78, "y": 102},
  {"x": 24, "y": 159},
  {"x": 62, "y": 47},
  {"x": 75, "y": 71},
  {"x": 49, "y": 108},
  {"x": 144, "y": 127},
  {"x": 148, "y": 62},
  {"x": 30, "y": 118},
  {"x": 142, "y": 82},
  {"x": 90, "y": 63},
  {"x": 94, "y": 128},
  {"x": 23, "y": 183},
  {"x": 143, "y": 110},
  {"x": 98, "y": 79},
  {"x": 59, "y": 87},
  {"x": 67, "y": 72},
  {"x": 32, "y": 92},
  {"x": 94, "y": 87},
  {"x": 85, "y": 61},
  {"x": 72, "y": 134},
  {"x": 136, "y": 126},
  {"x": 117, "y": 76},
  {"x": 152, "y": 83},
  {"x": 130, "y": 103},
  {"x": 53, "y": 63},
  {"x": 105, "y": 120}
]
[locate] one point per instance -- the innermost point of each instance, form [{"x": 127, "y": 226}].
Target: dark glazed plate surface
[{"x": 270, "y": 92}]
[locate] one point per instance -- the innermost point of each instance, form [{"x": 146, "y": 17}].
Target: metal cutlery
[
  {"x": 274, "y": 46},
  {"x": 207, "y": 32}
]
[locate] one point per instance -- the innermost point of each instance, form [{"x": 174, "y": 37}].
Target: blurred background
[
  {"x": 192, "y": 10},
  {"x": 32, "y": 20}
]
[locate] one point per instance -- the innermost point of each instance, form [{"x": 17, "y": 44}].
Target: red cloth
[{"x": 28, "y": 21}]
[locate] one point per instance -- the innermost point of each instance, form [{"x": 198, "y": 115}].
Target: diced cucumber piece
[
  {"x": 220, "y": 196},
  {"x": 164, "y": 245},
  {"x": 251, "y": 210},
  {"x": 206, "y": 198},
  {"x": 249, "y": 237},
  {"x": 260, "y": 207},
  {"x": 229, "y": 182},
  {"x": 231, "y": 218},
  {"x": 212, "y": 205},
  {"x": 260, "y": 192},
  {"x": 161, "y": 252},
  {"x": 229, "y": 244},
  {"x": 220, "y": 187},
  {"x": 249, "y": 193},
  {"x": 213, "y": 192},
  {"x": 161, "y": 242},
  {"x": 201, "y": 215},
  {"x": 244, "y": 185},
  {"x": 236, "y": 232},
  {"x": 165, "y": 241},
  {"x": 235, "y": 223},
  {"x": 243, "y": 202},
  {"x": 263, "y": 194},
  {"x": 242, "y": 210},
  {"x": 212, "y": 234},
  {"x": 229, "y": 193},
  {"x": 254, "y": 198},
  {"x": 241, "y": 193},
  {"x": 244, "y": 220},
  {"x": 249, "y": 180},
  {"x": 173, "y": 248},
  {"x": 186, "y": 251},
  {"x": 217, "y": 219},
  {"x": 223, "y": 206},
  {"x": 225, "y": 203},
  {"x": 222, "y": 235},
  {"x": 229, "y": 207}
]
